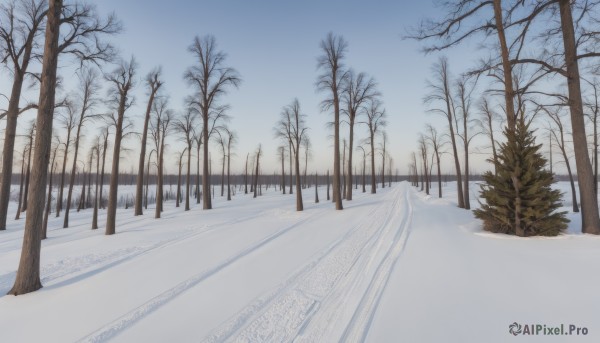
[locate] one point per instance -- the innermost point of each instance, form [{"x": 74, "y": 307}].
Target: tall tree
[
  {"x": 257, "y": 166},
  {"x": 357, "y": 91},
  {"x": 198, "y": 141},
  {"x": 558, "y": 132},
  {"x": 364, "y": 164},
  {"x": 185, "y": 127},
  {"x": 159, "y": 130},
  {"x": 122, "y": 81},
  {"x": 593, "y": 114},
  {"x": 30, "y": 137},
  {"x": 590, "y": 219},
  {"x": 82, "y": 40},
  {"x": 376, "y": 121},
  {"x": 21, "y": 23},
  {"x": 104, "y": 136},
  {"x": 231, "y": 140},
  {"x": 87, "y": 100},
  {"x": 486, "y": 124},
  {"x": 49, "y": 197},
  {"x": 96, "y": 150},
  {"x": 153, "y": 83},
  {"x": 180, "y": 163},
  {"x": 282, "y": 159},
  {"x": 441, "y": 92},
  {"x": 292, "y": 127},
  {"x": 333, "y": 50},
  {"x": 69, "y": 120},
  {"x": 436, "y": 143},
  {"x": 211, "y": 78},
  {"x": 464, "y": 90},
  {"x": 384, "y": 156}
]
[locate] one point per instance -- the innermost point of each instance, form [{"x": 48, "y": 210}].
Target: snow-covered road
[{"x": 392, "y": 266}]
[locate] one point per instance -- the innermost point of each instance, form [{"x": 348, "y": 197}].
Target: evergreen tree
[{"x": 519, "y": 200}]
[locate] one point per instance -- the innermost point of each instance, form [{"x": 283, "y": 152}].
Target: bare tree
[
  {"x": 153, "y": 83},
  {"x": 84, "y": 26},
  {"x": 89, "y": 87},
  {"x": 440, "y": 92},
  {"x": 198, "y": 141},
  {"x": 211, "y": 78},
  {"x": 26, "y": 148},
  {"x": 593, "y": 106},
  {"x": 292, "y": 127},
  {"x": 486, "y": 124},
  {"x": 307, "y": 146},
  {"x": 384, "y": 156},
  {"x": 246, "y": 175},
  {"x": 122, "y": 83},
  {"x": 49, "y": 196},
  {"x": 558, "y": 132},
  {"x": 436, "y": 144},
  {"x": 231, "y": 140},
  {"x": 159, "y": 130},
  {"x": 358, "y": 90},
  {"x": 331, "y": 62},
  {"x": 282, "y": 159},
  {"x": 69, "y": 121},
  {"x": 185, "y": 127},
  {"x": 316, "y": 188},
  {"x": 364, "y": 164},
  {"x": 257, "y": 166},
  {"x": 180, "y": 162},
  {"x": 30, "y": 137},
  {"x": 21, "y": 23},
  {"x": 96, "y": 151},
  {"x": 147, "y": 176},
  {"x": 223, "y": 145},
  {"x": 104, "y": 136},
  {"x": 464, "y": 90},
  {"x": 376, "y": 121}
]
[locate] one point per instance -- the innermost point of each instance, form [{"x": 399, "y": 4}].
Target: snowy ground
[{"x": 395, "y": 266}]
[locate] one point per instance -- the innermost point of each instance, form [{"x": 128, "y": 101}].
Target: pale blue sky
[{"x": 274, "y": 46}]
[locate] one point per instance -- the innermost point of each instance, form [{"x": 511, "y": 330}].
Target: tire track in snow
[
  {"x": 285, "y": 312},
  {"x": 115, "y": 327},
  {"x": 59, "y": 272},
  {"x": 358, "y": 327}
]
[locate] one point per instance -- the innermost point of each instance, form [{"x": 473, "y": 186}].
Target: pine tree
[{"x": 519, "y": 199}]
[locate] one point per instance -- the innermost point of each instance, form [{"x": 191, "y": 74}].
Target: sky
[{"x": 274, "y": 46}]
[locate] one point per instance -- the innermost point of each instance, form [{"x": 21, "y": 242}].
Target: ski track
[
  {"x": 62, "y": 271},
  {"x": 115, "y": 327},
  {"x": 320, "y": 288}
]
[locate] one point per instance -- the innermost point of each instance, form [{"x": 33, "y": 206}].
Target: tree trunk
[
  {"x": 228, "y": 172},
  {"x": 72, "y": 178},
  {"x": 506, "y": 66},
  {"x": 223, "y": 175},
  {"x": 21, "y": 181},
  {"x": 364, "y": 190},
  {"x": 111, "y": 214},
  {"x": 198, "y": 174},
  {"x": 48, "y": 200},
  {"x": 373, "y": 185},
  {"x": 328, "y": 198},
  {"x": 177, "y": 197},
  {"x": 140, "y": 178},
  {"x": 28, "y": 274},
  {"x": 590, "y": 221},
  {"x": 256, "y": 173},
  {"x": 27, "y": 176},
  {"x": 299, "y": 204},
  {"x": 188, "y": 178},
  {"x": 283, "y": 169},
  {"x": 159, "y": 181},
  {"x": 59, "y": 200},
  {"x": 439, "y": 173},
  {"x": 316, "y": 188},
  {"x": 10, "y": 134},
  {"x": 102, "y": 171},
  {"x": 205, "y": 176},
  {"x": 95, "y": 214},
  {"x": 291, "y": 174},
  {"x": 246, "y": 175}
]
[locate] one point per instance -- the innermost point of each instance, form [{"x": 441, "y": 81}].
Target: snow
[{"x": 394, "y": 266}]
